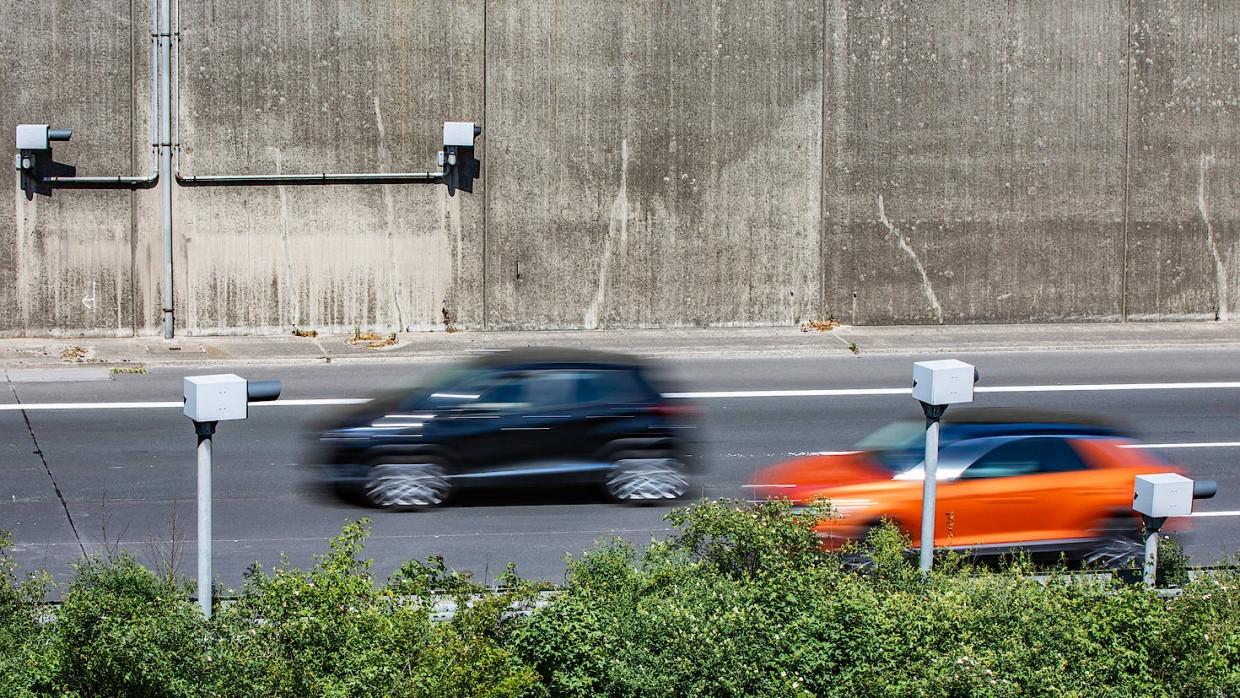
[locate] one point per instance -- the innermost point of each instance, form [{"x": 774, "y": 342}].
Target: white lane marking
[
  {"x": 702, "y": 395},
  {"x": 1198, "y": 444},
  {"x": 315, "y": 402},
  {"x": 841, "y": 392},
  {"x": 861, "y": 392},
  {"x": 1103, "y": 387},
  {"x": 800, "y": 454},
  {"x": 88, "y": 406},
  {"x": 28, "y": 547},
  {"x": 166, "y": 405}
]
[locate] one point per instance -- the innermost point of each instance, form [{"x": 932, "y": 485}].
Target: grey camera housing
[
  {"x": 943, "y": 382},
  {"x": 216, "y": 398},
  {"x": 1163, "y": 494},
  {"x": 40, "y": 136}
]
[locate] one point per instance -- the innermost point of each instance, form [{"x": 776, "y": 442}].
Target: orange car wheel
[{"x": 1117, "y": 545}]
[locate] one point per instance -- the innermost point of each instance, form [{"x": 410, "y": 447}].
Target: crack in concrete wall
[
  {"x": 289, "y": 273},
  {"x": 1220, "y": 270},
  {"x": 745, "y": 187},
  {"x": 925, "y": 279},
  {"x": 27, "y": 218},
  {"x": 617, "y": 226},
  {"x": 389, "y": 206}
]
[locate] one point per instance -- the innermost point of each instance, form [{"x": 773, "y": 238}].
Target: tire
[
  {"x": 1117, "y": 546},
  {"x": 407, "y": 484},
  {"x": 639, "y": 480}
]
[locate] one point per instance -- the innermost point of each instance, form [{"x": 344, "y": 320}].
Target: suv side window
[
  {"x": 550, "y": 388},
  {"x": 1026, "y": 457},
  {"x": 613, "y": 385},
  {"x": 492, "y": 389}
]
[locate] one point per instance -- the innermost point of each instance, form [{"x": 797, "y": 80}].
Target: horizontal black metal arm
[
  {"x": 103, "y": 182},
  {"x": 322, "y": 178}
]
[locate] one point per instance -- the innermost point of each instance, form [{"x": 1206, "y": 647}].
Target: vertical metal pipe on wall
[{"x": 165, "y": 153}]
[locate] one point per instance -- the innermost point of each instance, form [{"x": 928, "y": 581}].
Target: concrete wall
[
  {"x": 1184, "y": 185},
  {"x": 645, "y": 164},
  {"x": 653, "y": 163}
]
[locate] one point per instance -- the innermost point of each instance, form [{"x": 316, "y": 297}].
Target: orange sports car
[{"x": 1031, "y": 482}]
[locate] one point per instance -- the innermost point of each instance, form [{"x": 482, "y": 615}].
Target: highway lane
[{"x": 78, "y": 479}]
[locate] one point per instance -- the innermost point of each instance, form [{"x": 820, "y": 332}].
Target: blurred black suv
[{"x": 515, "y": 418}]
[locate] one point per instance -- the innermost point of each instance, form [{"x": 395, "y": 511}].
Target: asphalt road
[{"x": 84, "y": 475}]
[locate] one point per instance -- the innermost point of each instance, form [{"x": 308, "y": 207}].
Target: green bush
[
  {"x": 740, "y": 601},
  {"x": 26, "y": 661},
  {"x": 122, "y": 631},
  {"x": 736, "y": 604},
  {"x": 332, "y": 632}
]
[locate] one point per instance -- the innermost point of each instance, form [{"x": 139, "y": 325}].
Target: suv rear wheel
[{"x": 410, "y": 483}]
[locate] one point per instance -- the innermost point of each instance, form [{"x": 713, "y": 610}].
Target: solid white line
[
  {"x": 1102, "y": 387},
  {"x": 706, "y": 395},
  {"x": 315, "y": 402},
  {"x": 1199, "y": 444},
  {"x": 1215, "y": 513},
  {"x": 89, "y": 406},
  {"x": 791, "y": 393},
  {"x": 166, "y": 405},
  {"x": 862, "y": 392}
]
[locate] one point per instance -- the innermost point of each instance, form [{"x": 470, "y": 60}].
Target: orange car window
[{"x": 1025, "y": 457}]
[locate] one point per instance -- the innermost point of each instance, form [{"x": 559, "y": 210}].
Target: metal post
[
  {"x": 929, "y": 487},
  {"x": 1153, "y": 524},
  {"x": 205, "y": 576},
  {"x": 165, "y": 153},
  {"x": 1151, "y": 559}
]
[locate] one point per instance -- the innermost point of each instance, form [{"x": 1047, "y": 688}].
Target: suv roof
[{"x": 551, "y": 355}]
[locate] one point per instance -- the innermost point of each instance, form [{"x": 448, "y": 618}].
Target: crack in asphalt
[{"x": 38, "y": 451}]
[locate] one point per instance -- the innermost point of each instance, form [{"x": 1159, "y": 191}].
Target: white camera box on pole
[
  {"x": 216, "y": 398},
  {"x": 1163, "y": 494},
  {"x": 944, "y": 382}
]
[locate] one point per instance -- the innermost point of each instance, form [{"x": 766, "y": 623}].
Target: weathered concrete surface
[
  {"x": 1184, "y": 237},
  {"x": 66, "y": 263},
  {"x": 313, "y": 86},
  {"x": 645, "y": 164},
  {"x": 976, "y": 161},
  {"x": 653, "y": 164}
]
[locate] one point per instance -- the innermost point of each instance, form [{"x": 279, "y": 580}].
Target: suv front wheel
[
  {"x": 639, "y": 479},
  {"x": 410, "y": 483}
]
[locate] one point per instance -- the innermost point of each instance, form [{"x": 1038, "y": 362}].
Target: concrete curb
[{"x": 135, "y": 353}]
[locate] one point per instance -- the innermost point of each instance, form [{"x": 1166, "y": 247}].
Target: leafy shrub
[
  {"x": 331, "y": 632},
  {"x": 122, "y": 631},
  {"x": 740, "y": 601},
  {"x": 746, "y": 538},
  {"x": 737, "y": 604},
  {"x": 726, "y": 608},
  {"x": 1201, "y": 646},
  {"x": 25, "y": 643},
  {"x": 1173, "y": 562}
]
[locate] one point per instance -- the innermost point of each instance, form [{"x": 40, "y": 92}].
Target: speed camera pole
[
  {"x": 209, "y": 400},
  {"x": 204, "y": 430},
  {"x": 1161, "y": 495},
  {"x": 937, "y": 384},
  {"x": 929, "y": 487}
]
